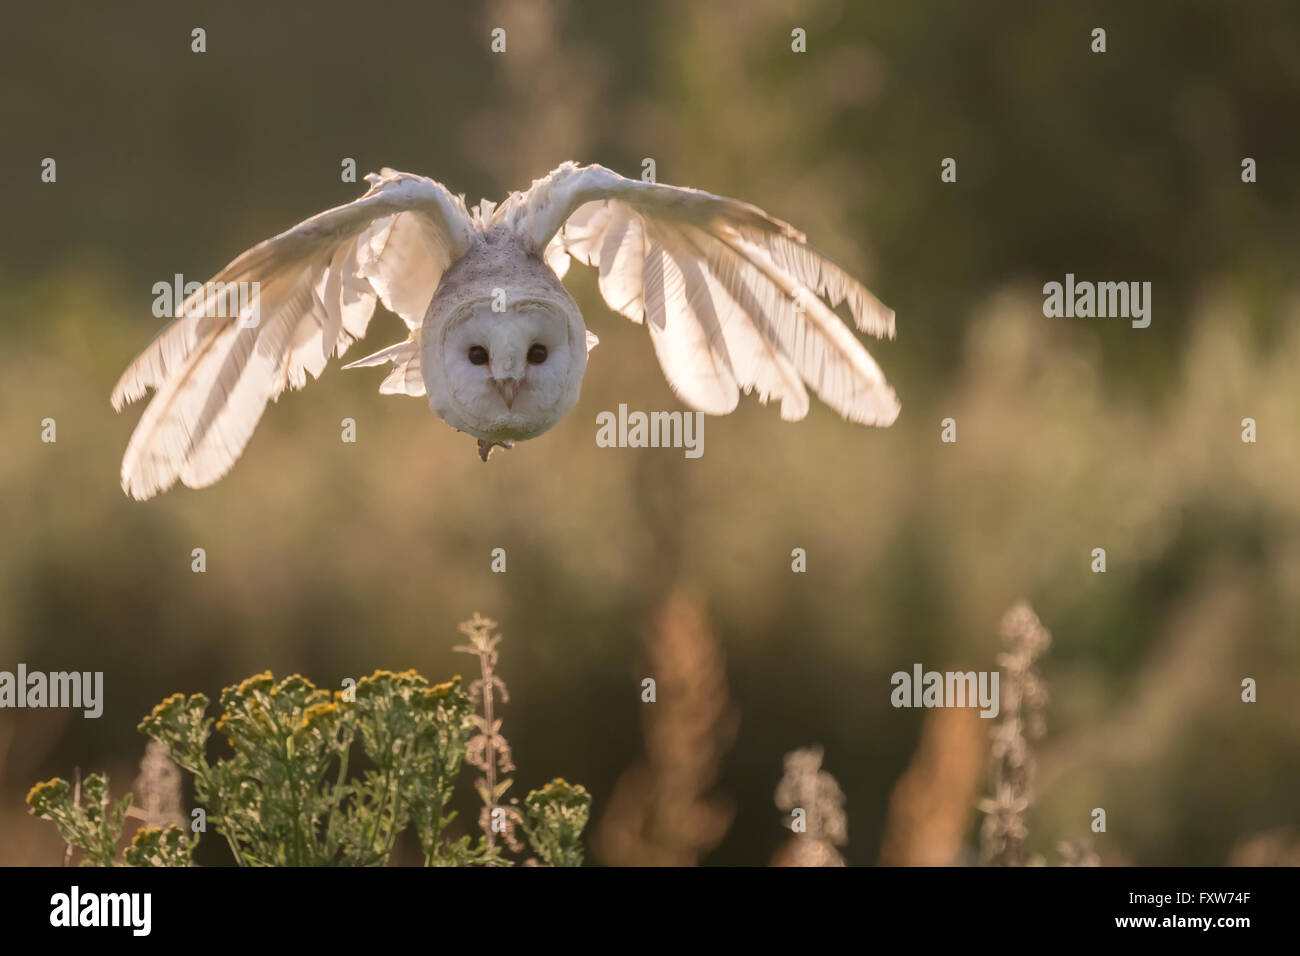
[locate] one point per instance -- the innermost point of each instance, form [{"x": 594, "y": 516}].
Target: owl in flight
[{"x": 732, "y": 298}]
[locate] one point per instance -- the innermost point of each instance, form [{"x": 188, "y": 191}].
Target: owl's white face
[{"x": 505, "y": 376}]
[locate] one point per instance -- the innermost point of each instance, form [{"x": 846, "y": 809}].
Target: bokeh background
[{"x": 332, "y": 559}]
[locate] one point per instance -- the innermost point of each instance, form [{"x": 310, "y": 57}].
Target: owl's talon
[{"x": 485, "y": 447}]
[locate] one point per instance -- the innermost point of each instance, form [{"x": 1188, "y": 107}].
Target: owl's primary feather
[{"x": 732, "y": 299}]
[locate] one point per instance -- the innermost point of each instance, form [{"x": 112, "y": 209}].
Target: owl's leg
[{"x": 485, "y": 447}]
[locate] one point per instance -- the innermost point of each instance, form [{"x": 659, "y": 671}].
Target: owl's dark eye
[
  {"x": 478, "y": 355},
  {"x": 537, "y": 355}
]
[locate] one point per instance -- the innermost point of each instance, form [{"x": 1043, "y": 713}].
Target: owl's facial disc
[{"x": 509, "y": 375}]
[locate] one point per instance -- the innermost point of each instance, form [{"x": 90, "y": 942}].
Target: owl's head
[{"x": 503, "y": 366}]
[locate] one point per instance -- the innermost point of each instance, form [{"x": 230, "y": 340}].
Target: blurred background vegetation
[{"x": 332, "y": 559}]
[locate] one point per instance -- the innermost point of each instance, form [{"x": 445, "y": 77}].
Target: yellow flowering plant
[
  {"x": 282, "y": 791},
  {"x": 90, "y": 821}
]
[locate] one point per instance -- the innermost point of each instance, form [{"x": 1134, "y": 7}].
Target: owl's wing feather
[
  {"x": 731, "y": 295},
  {"x": 317, "y": 283}
]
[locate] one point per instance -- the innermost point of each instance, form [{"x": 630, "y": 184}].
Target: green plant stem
[
  {"x": 331, "y": 845},
  {"x": 485, "y": 666}
]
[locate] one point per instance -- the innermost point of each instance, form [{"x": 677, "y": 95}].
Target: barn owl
[{"x": 732, "y": 299}]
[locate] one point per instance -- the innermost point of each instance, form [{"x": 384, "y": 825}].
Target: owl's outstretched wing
[
  {"x": 215, "y": 367},
  {"x": 731, "y": 295}
]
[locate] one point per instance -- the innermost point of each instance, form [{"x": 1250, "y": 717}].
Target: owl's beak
[{"x": 509, "y": 388}]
